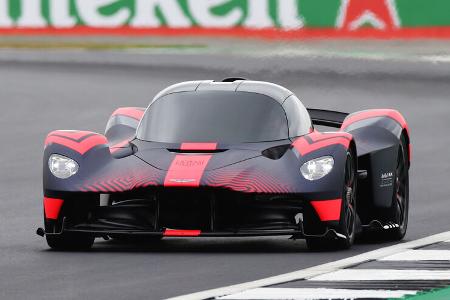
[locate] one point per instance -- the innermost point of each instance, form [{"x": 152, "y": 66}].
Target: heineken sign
[{"x": 281, "y": 15}]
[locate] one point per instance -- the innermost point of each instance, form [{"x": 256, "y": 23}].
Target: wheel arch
[{"x": 405, "y": 133}]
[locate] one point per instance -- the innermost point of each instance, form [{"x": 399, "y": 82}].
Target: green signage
[{"x": 252, "y": 14}]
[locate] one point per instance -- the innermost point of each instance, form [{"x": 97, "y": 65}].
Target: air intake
[{"x": 233, "y": 79}]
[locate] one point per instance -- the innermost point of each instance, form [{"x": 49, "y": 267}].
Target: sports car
[{"x": 234, "y": 158}]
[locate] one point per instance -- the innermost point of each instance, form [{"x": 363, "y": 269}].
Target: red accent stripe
[
  {"x": 304, "y": 147},
  {"x": 198, "y": 146},
  {"x": 317, "y": 136},
  {"x": 271, "y": 33},
  {"x": 186, "y": 170},
  {"x": 75, "y": 135},
  {"x": 80, "y": 147},
  {"x": 328, "y": 210},
  {"x": 52, "y": 207},
  {"x": 374, "y": 113},
  {"x": 131, "y": 112},
  {"x": 177, "y": 232}
]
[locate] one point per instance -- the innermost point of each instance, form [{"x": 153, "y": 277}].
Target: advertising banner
[{"x": 265, "y": 18}]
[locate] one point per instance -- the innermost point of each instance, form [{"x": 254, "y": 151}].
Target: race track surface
[{"x": 38, "y": 98}]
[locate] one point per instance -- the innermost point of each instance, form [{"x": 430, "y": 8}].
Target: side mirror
[{"x": 123, "y": 149}]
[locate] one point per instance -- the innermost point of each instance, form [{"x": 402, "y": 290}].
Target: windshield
[{"x": 214, "y": 116}]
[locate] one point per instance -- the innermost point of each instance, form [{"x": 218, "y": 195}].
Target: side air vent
[
  {"x": 276, "y": 152},
  {"x": 233, "y": 79}
]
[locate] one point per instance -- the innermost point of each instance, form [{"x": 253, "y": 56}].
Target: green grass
[{"x": 438, "y": 294}]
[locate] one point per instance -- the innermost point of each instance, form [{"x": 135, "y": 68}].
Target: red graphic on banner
[{"x": 380, "y": 14}]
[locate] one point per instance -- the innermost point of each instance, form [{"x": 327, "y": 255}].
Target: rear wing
[{"x": 327, "y": 117}]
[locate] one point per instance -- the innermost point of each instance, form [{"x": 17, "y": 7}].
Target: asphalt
[
  {"x": 277, "y": 59},
  {"x": 39, "y": 97}
]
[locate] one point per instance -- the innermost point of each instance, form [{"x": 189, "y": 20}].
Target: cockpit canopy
[{"x": 223, "y": 115}]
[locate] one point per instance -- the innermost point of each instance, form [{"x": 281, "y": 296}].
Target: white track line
[
  {"x": 419, "y": 255},
  {"x": 314, "y": 293},
  {"x": 373, "y": 274},
  {"x": 318, "y": 270}
]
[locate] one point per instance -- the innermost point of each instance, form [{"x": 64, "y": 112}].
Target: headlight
[
  {"x": 62, "y": 167},
  {"x": 317, "y": 168}
]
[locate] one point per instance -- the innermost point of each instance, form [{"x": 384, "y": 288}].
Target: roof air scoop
[{"x": 233, "y": 79}]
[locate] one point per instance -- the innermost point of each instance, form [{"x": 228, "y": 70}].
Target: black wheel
[
  {"x": 348, "y": 219},
  {"x": 77, "y": 210},
  {"x": 400, "y": 198},
  {"x": 70, "y": 241}
]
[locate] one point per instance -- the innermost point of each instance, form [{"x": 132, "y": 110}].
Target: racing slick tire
[
  {"x": 348, "y": 219},
  {"x": 70, "y": 241},
  {"x": 400, "y": 199}
]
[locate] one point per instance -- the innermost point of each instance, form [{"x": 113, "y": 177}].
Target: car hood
[{"x": 162, "y": 156}]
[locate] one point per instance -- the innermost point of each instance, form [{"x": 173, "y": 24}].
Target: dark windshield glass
[{"x": 214, "y": 116}]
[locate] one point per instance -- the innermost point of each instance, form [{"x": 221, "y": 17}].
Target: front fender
[
  {"x": 99, "y": 171},
  {"x": 282, "y": 174}
]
